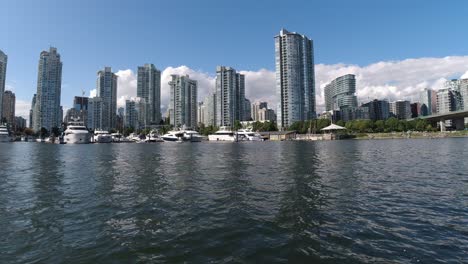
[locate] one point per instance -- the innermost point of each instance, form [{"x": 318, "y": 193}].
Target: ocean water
[{"x": 355, "y": 201}]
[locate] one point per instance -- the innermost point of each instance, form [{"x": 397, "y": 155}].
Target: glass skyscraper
[
  {"x": 230, "y": 96},
  {"x": 3, "y": 67},
  {"x": 295, "y": 78},
  {"x": 183, "y": 101},
  {"x": 47, "y": 110},
  {"x": 149, "y": 88},
  {"x": 106, "y": 87},
  {"x": 340, "y": 93}
]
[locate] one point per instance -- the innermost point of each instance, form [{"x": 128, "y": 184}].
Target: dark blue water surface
[{"x": 381, "y": 201}]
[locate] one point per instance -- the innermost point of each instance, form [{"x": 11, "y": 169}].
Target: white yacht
[
  {"x": 153, "y": 136},
  {"x": 77, "y": 133},
  {"x": 192, "y": 135},
  {"x": 5, "y": 134},
  {"x": 101, "y": 136},
  {"x": 223, "y": 134},
  {"x": 175, "y": 136},
  {"x": 249, "y": 135}
]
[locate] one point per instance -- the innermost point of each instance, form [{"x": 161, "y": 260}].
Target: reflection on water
[{"x": 354, "y": 201}]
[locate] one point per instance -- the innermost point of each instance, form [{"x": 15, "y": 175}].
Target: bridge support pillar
[{"x": 442, "y": 125}]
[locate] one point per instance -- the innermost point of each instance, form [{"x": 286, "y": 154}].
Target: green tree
[
  {"x": 401, "y": 126},
  {"x": 297, "y": 126},
  {"x": 55, "y": 131},
  {"x": 341, "y": 123},
  {"x": 237, "y": 125},
  {"x": 128, "y": 131},
  {"x": 321, "y": 124},
  {"x": 379, "y": 126},
  {"x": 270, "y": 126},
  {"x": 421, "y": 125},
  {"x": 43, "y": 132},
  {"x": 391, "y": 124},
  {"x": 146, "y": 131},
  {"x": 28, "y": 131}
]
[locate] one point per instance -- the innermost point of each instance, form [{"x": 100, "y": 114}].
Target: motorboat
[
  {"x": 101, "y": 136},
  {"x": 192, "y": 135},
  {"x": 134, "y": 137},
  {"x": 174, "y": 136},
  {"x": 153, "y": 136},
  {"x": 77, "y": 133},
  {"x": 248, "y": 135},
  {"x": 5, "y": 134},
  {"x": 223, "y": 134},
  {"x": 117, "y": 137}
]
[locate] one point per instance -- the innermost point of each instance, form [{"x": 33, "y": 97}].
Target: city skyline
[{"x": 380, "y": 62}]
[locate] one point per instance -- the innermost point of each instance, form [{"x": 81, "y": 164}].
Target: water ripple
[{"x": 387, "y": 201}]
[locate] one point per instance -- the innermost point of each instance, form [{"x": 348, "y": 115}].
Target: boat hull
[
  {"x": 103, "y": 139},
  {"x": 82, "y": 138},
  {"x": 171, "y": 139},
  {"x": 221, "y": 138}
]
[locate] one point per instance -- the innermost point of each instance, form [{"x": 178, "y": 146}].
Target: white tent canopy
[{"x": 333, "y": 127}]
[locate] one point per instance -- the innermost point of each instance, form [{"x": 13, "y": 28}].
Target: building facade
[
  {"x": 230, "y": 96},
  {"x": 255, "y": 108},
  {"x": 428, "y": 101},
  {"x": 183, "y": 101},
  {"x": 131, "y": 114},
  {"x": 49, "y": 88},
  {"x": 402, "y": 109},
  {"x": 201, "y": 113},
  {"x": 295, "y": 78},
  {"x": 445, "y": 101},
  {"x": 210, "y": 110},
  {"x": 149, "y": 88},
  {"x": 31, "y": 112},
  {"x": 415, "y": 110},
  {"x": 94, "y": 113},
  {"x": 20, "y": 123},
  {"x": 378, "y": 109},
  {"x": 3, "y": 68},
  {"x": 266, "y": 114},
  {"x": 9, "y": 102},
  {"x": 340, "y": 93},
  {"x": 106, "y": 86}
]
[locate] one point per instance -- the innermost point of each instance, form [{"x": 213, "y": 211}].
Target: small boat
[
  {"x": 101, "y": 136},
  {"x": 192, "y": 136},
  {"x": 153, "y": 136},
  {"x": 77, "y": 133},
  {"x": 5, "y": 134},
  {"x": 134, "y": 138},
  {"x": 223, "y": 134}
]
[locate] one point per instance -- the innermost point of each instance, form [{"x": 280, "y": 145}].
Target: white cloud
[
  {"x": 382, "y": 80},
  {"x": 126, "y": 86},
  {"x": 465, "y": 75},
  {"x": 92, "y": 93},
  {"x": 260, "y": 86},
  {"x": 22, "y": 109}
]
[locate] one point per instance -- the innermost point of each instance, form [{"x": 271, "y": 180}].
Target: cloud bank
[{"x": 391, "y": 80}]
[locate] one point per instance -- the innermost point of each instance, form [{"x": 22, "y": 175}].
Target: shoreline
[{"x": 413, "y": 135}]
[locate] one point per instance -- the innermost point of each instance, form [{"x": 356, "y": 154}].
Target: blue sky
[{"x": 202, "y": 34}]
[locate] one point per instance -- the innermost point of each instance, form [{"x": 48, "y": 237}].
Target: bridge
[{"x": 457, "y": 117}]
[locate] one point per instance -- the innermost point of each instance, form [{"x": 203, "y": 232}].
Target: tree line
[{"x": 364, "y": 126}]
